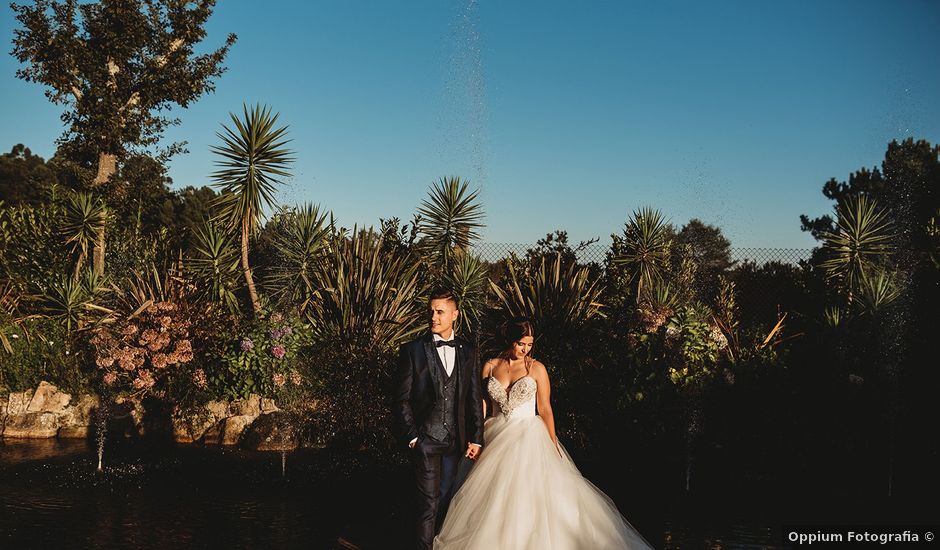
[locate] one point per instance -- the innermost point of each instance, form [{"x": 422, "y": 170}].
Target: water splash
[
  {"x": 283, "y": 464},
  {"x": 101, "y": 427}
]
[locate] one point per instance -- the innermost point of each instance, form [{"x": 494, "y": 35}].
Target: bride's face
[{"x": 522, "y": 347}]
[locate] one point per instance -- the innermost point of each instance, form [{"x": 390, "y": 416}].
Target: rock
[
  {"x": 201, "y": 422},
  {"x": 272, "y": 432},
  {"x": 268, "y": 406},
  {"x": 18, "y": 402},
  {"x": 80, "y": 413},
  {"x": 31, "y": 425},
  {"x": 213, "y": 435},
  {"x": 191, "y": 428},
  {"x": 234, "y": 426},
  {"x": 48, "y": 398},
  {"x": 73, "y": 432},
  {"x": 247, "y": 407}
]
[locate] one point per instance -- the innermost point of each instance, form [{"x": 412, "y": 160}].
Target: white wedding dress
[{"x": 521, "y": 495}]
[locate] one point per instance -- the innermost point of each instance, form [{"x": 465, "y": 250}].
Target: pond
[{"x": 192, "y": 496}]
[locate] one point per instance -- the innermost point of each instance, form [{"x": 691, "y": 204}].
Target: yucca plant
[
  {"x": 862, "y": 239},
  {"x": 553, "y": 295},
  {"x": 253, "y": 161},
  {"x": 645, "y": 251},
  {"x": 468, "y": 278},
  {"x": 302, "y": 245},
  {"x": 368, "y": 299},
  {"x": 74, "y": 302},
  {"x": 83, "y": 224},
  {"x": 450, "y": 218},
  {"x": 215, "y": 264},
  {"x": 877, "y": 289}
]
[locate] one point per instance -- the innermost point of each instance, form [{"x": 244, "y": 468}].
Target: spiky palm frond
[
  {"x": 877, "y": 289},
  {"x": 645, "y": 249},
  {"x": 862, "y": 238},
  {"x": 83, "y": 221},
  {"x": 253, "y": 161},
  {"x": 554, "y": 296},
  {"x": 450, "y": 219},
  {"x": 215, "y": 264},
  {"x": 302, "y": 246},
  {"x": 467, "y": 279},
  {"x": 74, "y": 301},
  {"x": 368, "y": 299}
]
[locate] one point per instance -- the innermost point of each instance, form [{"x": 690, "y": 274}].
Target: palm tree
[
  {"x": 861, "y": 239},
  {"x": 468, "y": 278},
  {"x": 302, "y": 245},
  {"x": 253, "y": 161},
  {"x": 558, "y": 294},
  {"x": 451, "y": 218},
  {"x": 83, "y": 225},
  {"x": 216, "y": 264},
  {"x": 646, "y": 248},
  {"x": 368, "y": 299}
]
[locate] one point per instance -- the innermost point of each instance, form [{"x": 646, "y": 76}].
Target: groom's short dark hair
[{"x": 444, "y": 293}]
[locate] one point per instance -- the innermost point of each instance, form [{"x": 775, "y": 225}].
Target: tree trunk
[
  {"x": 255, "y": 304},
  {"x": 107, "y": 166}
]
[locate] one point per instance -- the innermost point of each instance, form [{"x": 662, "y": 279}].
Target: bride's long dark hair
[{"x": 514, "y": 330}]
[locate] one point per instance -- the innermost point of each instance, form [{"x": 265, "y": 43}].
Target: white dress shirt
[{"x": 446, "y": 353}]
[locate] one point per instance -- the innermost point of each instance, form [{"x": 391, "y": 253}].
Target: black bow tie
[{"x": 450, "y": 343}]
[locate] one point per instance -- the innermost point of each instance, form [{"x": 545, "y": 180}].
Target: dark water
[{"x": 200, "y": 497}]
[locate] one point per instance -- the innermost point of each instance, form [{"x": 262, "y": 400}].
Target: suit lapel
[
  {"x": 462, "y": 364},
  {"x": 434, "y": 363}
]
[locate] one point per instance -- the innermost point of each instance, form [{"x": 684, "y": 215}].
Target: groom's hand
[{"x": 473, "y": 451}]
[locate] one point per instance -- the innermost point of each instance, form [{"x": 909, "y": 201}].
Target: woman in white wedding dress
[{"x": 524, "y": 492}]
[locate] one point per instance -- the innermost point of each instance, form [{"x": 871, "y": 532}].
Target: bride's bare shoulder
[
  {"x": 488, "y": 366},
  {"x": 536, "y": 367}
]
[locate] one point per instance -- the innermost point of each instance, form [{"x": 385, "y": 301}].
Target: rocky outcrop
[
  {"x": 276, "y": 431},
  {"x": 39, "y": 414},
  {"x": 48, "y": 398},
  {"x": 46, "y": 412},
  {"x": 31, "y": 425}
]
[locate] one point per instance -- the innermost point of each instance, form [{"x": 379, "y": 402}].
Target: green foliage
[
  {"x": 25, "y": 178},
  {"x": 645, "y": 249},
  {"x": 214, "y": 263},
  {"x": 551, "y": 295},
  {"x": 368, "y": 298},
  {"x": 262, "y": 360},
  {"x": 861, "y": 240},
  {"x": 252, "y": 162},
  {"x": 117, "y": 66},
  {"x": 468, "y": 279},
  {"x": 300, "y": 239},
  {"x": 82, "y": 224},
  {"x": 450, "y": 219},
  {"x": 40, "y": 350}
]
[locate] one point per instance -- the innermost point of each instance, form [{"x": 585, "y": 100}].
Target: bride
[{"x": 524, "y": 492}]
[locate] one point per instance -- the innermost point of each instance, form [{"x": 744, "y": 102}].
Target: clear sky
[{"x": 568, "y": 115}]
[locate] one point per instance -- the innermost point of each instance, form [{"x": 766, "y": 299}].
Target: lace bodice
[{"x": 516, "y": 401}]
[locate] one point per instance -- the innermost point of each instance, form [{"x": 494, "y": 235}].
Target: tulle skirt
[{"x": 521, "y": 495}]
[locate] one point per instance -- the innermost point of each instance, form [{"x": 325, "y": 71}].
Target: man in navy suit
[{"x": 439, "y": 410}]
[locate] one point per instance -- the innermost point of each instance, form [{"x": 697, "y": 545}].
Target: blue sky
[{"x": 567, "y": 115}]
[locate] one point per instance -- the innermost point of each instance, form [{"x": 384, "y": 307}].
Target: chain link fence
[
  {"x": 768, "y": 281},
  {"x": 596, "y": 253}
]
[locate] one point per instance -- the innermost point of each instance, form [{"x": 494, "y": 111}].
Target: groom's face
[{"x": 443, "y": 314}]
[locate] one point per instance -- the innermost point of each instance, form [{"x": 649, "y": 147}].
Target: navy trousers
[{"x": 435, "y": 465}]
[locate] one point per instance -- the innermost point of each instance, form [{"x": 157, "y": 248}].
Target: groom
[{"x": 438, "y": 410}]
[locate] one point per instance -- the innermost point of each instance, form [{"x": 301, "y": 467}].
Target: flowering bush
[
  {"x": 263, "y": 360},
  {"x": 139, "y": 352}
]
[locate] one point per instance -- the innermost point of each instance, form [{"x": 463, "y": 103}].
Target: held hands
[{"x": 473, "y": 451}]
